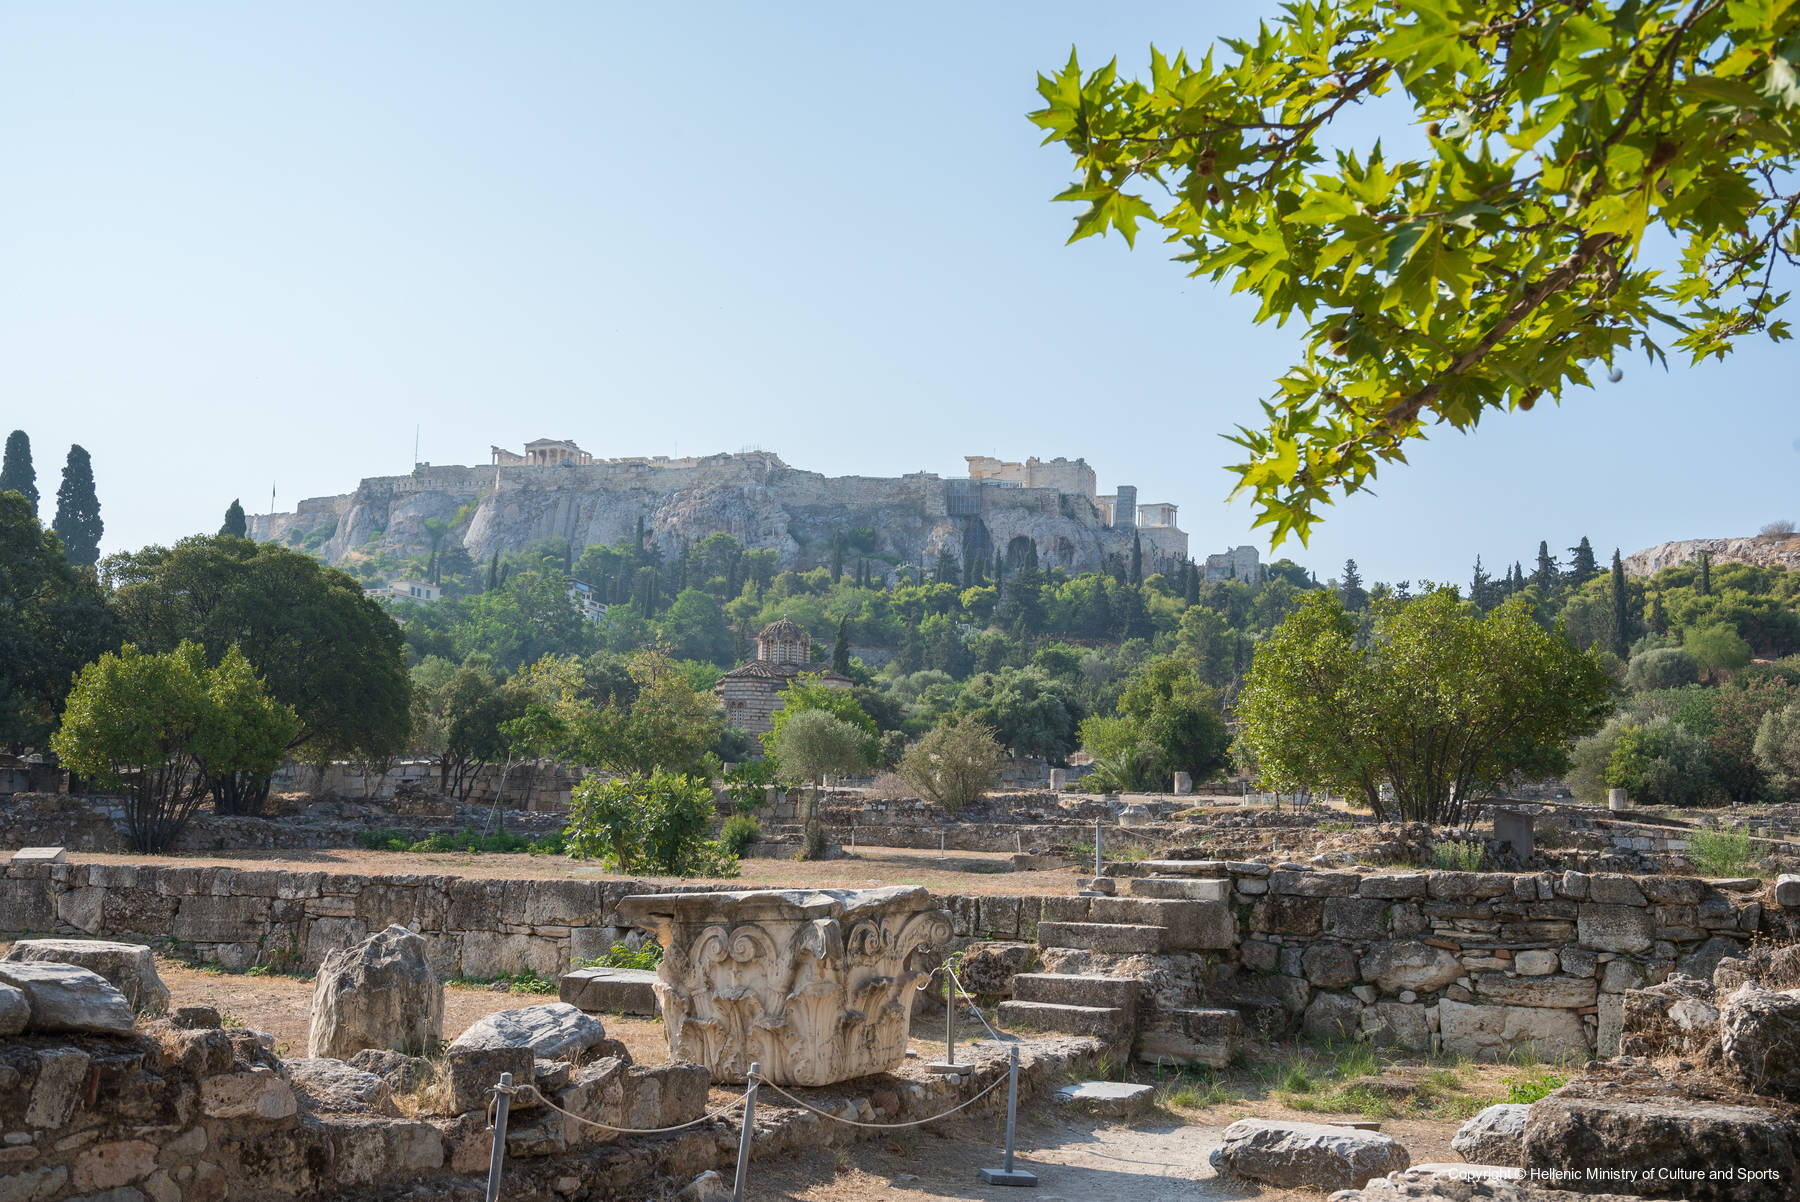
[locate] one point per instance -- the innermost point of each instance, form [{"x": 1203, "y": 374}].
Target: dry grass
[{"x": 869, "y": 867}]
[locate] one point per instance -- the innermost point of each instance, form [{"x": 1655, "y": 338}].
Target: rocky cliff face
[
  {"x": 754, "y": 497},
  {"x": 1764, "y": 550}
]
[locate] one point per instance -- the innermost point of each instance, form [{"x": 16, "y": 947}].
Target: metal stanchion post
[
  {"x": 1010, "y": 1175},
  {"x": 743, "y": 1166},
  {"x": 1099, "y": 868},
  {"x": 948, "y": 1064},
  {"x": 502, "y": 1103}
]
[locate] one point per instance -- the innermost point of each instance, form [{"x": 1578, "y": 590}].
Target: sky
[{"x": 247, "y": 248}]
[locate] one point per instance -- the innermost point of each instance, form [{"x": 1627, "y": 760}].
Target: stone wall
[{"x": 1487, "y": 962}]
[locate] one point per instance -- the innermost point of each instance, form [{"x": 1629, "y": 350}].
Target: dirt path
[{"x": 1076, "y": 1160}]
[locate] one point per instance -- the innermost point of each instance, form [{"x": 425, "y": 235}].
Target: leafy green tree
[
  {"x": 1729, "y": 720},
  {"x": 840, "y": 647},
  {"x": 811, "y": 745},
  {"x": 656, "y": 823},
  {"x": 164, "y": 727},
  {"x": 1777, "y": 750},
  {"x": 695, "y": 628},
  {"x": 1507, "y": 258},
  {"x": 53, "y": 619},
  {"x": 1442, "y": 704},
  {"x": 236, "y": 524},
  {"x": 461, "y": 716},
  {"x": 1716, "y": 648},
  {"x": 1661, "y": 668},
  {"x": 954, "y": 765},
  {"x": 1178, "y": 714},
  {"x": 1659, "y": 762},
  {"x": 321, "y": 646},
  {"x": 1122, "y": 757},
  {"x": 810, "y": 691},
  {"x": 667, "y": 727},
  {"x": 78, "y": 521},
  {"x": 1030, "y": 712},
  {"x": 16, "y": 472}
]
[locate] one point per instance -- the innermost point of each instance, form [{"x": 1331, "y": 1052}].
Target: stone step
[
  {"x": 1191, "y": 925},
  {"x": 600, "y": 990},
  {"x": 1103, "y": 1022},
  {"x": 1194, "y": 868},
  {"x": 1119, "y": 939},
  {"x": 1075, "y": 989},
  {"x": 1181, "y": 888},
  {"x": 1214, "y": 1038}
]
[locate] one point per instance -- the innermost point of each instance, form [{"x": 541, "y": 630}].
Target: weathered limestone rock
[
  {"x": 1110, "y": 1099},
  {"x": 816, "y": 986},
  {"x": 1397, "y": 1024},
  {"x": 259, "y": 1093},
  {"x": 1564, "y": 993},
  {"x": 333, "y": 1087},
  {"x": 63, "y": 997},
  {"x": 1680, "y": 1142},
  {"x": 1494, "y": 1032},
  {"x": 382, "y": 993},
  {"x": 130, "y": 967},
  {"x": 1614, "y": 928},
  {"x": 602, "y": 990},
  {"x": 1332, "y": 1017},
  {"x": 1759, "y": 1039},
  {"x": 1421, "y": 1184},
  {"x": 1495, "y": 1136},
  {"x": 1293, "y": 1155},
  {"x": 15, "y": 1010},
  {"x": 1410, "y": 965},
  {"x": 988, "y": 969},
  {"x": 404, "y": 1074},
  {"x": 1673, "y": 1018},
  {"x": 1329, "y": 965},
  {"x": 1212, "y": 1037},
  {"x": 513, "y": 1041}
]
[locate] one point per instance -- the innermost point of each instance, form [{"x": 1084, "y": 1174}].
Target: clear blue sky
[{"x": 244, "y": 244}]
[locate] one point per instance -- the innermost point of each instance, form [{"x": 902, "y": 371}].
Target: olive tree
[
  {"x": 1440, "y": 703},
  {"x": 810, "y": 746},
  {"x": 164, "y": 728}
]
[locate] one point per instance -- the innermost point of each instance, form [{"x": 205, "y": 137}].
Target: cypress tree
[
  {"x": 1481, "y": 588},
  {"x": 1193, "y": 583},
  {"x": 1545, "y": 576},
  {"x": 1659, "y": 617},
  {"x": 493, "y": 576},
  {"x": 837, "y": 557},
  {"x": 1351, "y": 591},
  {"x": 946, "y": 566},
  {"x": 840, "y": 649},
  {"x": 1137, "y": 559},
  {"x": 1582, "y": 565},
  {"x": 1705, "y": 585},
  {"x": 1621, "y": 609},
  {"x": 16, "y": 473},
  {"x": 78, "y": 521},
  {"x": 238, "y": 526}
]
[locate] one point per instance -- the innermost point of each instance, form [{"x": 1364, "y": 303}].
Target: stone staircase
[{"x": 1164, "y": 916}]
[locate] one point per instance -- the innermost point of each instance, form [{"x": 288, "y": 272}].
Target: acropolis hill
[{"x": 554, "y": 489}]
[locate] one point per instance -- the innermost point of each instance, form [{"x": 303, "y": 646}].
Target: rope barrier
[
  {"x": 970, "y": 998},
  {"x": 705, "y": 1118},
  {"x": 884, "y": 1126}
]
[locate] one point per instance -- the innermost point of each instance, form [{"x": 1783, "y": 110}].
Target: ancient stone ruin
[{"x": 816, "y": 987}]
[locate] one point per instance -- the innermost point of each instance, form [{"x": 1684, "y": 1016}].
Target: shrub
[
  {"x": 1522, "y": 1091},
  {"x": 623, "y": 955},
  {"x": 1722, "y": 853},
  {"x": 740, "y": 831},
  {"x": 1457, "y": 856},
  {"x": 1662, "y": 762},
  {"x": 1665, "y": 668},
  {"x": 955, "y": 765},
  {"x": 656, "y": 823}
]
